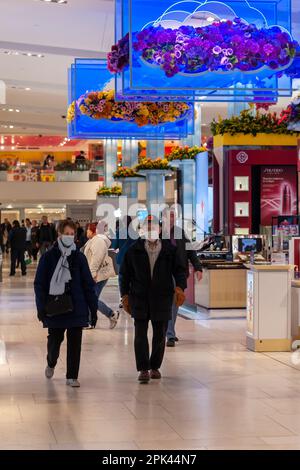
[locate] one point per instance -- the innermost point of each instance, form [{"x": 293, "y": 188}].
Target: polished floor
[{"x": 214, "y": 393}]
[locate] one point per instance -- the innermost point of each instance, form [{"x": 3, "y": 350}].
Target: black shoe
[
  {"x": 144, "y": 377},
  {"x": 23, "y": 274},
  {"x": 176, "y": 339},
  {"x": 171, "y": 343}
]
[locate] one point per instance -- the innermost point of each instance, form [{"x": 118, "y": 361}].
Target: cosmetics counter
[{"x": 224, "y": 260}]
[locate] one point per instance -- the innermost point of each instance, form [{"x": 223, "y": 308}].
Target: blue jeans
[
  {"x": 171, "y": 334},
  {"x": 102, "y": 307}
]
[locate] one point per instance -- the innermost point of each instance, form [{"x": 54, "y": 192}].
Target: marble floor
[{"x": 214, "y": 393}]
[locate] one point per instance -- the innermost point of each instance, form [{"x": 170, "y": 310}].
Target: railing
[{"x": 48, "y": 176}]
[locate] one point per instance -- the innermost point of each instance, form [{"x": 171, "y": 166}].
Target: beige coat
[{"x": 96, "y": 252}]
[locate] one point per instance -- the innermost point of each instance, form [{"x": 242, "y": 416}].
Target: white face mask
[
  {"x": 152, "y": 236},
  {"x": 67, "y": 240}
]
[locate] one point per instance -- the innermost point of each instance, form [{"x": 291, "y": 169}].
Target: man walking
[
  {"x": 178, "y": 239},
  {"x": 46, "y": 235},
  {"x": 147, "y": 276},
  {"x": 17, "y": 239}
]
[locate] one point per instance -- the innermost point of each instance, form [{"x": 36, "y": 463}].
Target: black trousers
[
  {"x": 74, "y": 339},
  {"x": 29, "y": 248},
  {"x": 17, "y": 256},
  {"x": 145, "y": 361}
]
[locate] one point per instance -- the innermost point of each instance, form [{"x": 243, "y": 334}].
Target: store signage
[
  {"x": 242, "y": 157},
  {"x": 278, "y": 192}
]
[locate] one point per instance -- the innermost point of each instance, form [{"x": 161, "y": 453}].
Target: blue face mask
[{"x": 67, "y": 240}]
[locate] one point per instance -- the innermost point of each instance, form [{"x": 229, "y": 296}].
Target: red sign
[{"x": 278, "y": 192}]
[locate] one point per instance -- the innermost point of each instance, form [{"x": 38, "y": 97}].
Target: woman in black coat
[
  {"x": 150, "y": 276},
  {"x": 64, "y": 269}
]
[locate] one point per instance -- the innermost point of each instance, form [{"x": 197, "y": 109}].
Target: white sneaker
[
  {"x": 73, "y": 383},
  {"x": 114, "y": 320},
  {"x": 49, "y": 372}
]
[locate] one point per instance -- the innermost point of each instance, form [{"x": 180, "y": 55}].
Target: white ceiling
[{"x": 80, "y": 28}]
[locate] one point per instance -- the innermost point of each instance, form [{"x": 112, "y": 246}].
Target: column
[
  {"x": 130, "y": 153},
  {"x": 155, "y": 149},
  {"x": 110, "y": 161}
]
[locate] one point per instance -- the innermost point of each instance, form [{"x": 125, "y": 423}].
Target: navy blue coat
[{"x": 82, "y": 289}]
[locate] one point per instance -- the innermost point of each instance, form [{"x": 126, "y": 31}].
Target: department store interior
[{"x": 134, "y": 109}]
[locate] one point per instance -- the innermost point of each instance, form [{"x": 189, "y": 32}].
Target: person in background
[
  {"x": 80, "y": 157},
  {"x": 83, "y": 238},
  {"x": 79, "y": 231},
  {"x": 6, "y": 228},
  {"x": 28, "y": 237},
  {"x": 122, "y": 242},
  {"x": 17, "y": 240},
  {"x": 63, "y": 269},
  {"x": 46, "y": 236},
  {"x": 34, "y": 239},
  {"x": 101, "y": 266},
  {"x": 1, "y": 241},
  {"x": 148, "y": 272},
  {"x": 178, "y": 238}
]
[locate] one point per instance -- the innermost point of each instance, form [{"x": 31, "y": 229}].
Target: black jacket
[
  {"x": 45, "y": 234},
  {"x": 151, "y": 298},
  {"x": 186, "y": 255},
  {"x": 82, "y": 289},
  {"x": 17, "y": 238}
]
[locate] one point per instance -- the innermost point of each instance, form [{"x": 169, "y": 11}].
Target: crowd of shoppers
[
  {"x": 153, "y": 271},
  {"x": 75, "y": 265}
]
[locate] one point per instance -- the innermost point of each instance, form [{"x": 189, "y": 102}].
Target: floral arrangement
[
  {"x": 149, "y": 164},
  {"x": 107, "y": 191},
  {"x": 102, "y": 105},
  {"x": 185, "y": 153},
  {"x": 70, "y": 166},
  {"x": 221, "y": 46},
  {"x": 71, "y": 112},
  {"x": 291, "y": 116},
  {"x": 125, "y": 172},
  {"x": 253, "y": 123}
]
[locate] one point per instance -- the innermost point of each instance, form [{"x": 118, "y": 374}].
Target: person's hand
[
  {"x": 94, "y": 320},
  {"x": 41, "y": 316},
  {"x": 126, "y": 304},
  {"x": 179, "y": 296},
  {"x": 199, "y": 275}
]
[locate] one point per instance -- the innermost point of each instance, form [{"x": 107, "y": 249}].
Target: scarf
[{"x": 61, "y": 275}]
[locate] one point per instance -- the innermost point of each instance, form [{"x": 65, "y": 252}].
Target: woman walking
[
  {"x": 101, "y": 266},
  {"x": 65, "y": 298}
]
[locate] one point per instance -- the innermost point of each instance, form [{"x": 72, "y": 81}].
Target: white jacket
[{"x": 96, "y": 252}]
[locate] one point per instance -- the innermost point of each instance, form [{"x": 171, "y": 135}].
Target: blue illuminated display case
[
  {"x": 148, "y": 81},
  {"x": 87, "y": 75}
]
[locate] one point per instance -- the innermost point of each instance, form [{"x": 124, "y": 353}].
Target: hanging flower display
[
  {"x": 185, "y": 153},
  {"x": 149, "y": 164},
  {"x": 126, "y": 172},
  {"x": 254, "y": 123},
  {"x": 107, "y": 191},
  {"x": 223, "y": 46},
  {"x": 102, "y": 105}
]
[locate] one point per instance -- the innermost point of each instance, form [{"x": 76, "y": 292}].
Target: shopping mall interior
[{"x": 142, "y": 115}]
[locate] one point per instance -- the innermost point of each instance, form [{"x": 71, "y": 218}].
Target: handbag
[{"x": 58, "y": 305}]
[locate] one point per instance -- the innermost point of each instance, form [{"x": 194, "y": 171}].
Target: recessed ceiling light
[{"x": 60, "y": 2}]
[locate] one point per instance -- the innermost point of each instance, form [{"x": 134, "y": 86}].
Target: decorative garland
[
  {"x": 102, "y": 105},
  {"x": 149, "y": 164},
  {"x": 249, "y": 123},
  {"x": 107, "y": 191},
  {"x": 126, "y": 172},
  {"x": 223, "y": 46},
  {"x": 185, "y": 153}
]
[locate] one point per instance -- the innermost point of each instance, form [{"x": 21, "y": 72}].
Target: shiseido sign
[{"x": 242, "y": 157}]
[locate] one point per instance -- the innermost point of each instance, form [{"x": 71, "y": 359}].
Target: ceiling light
[
  {"x": 2, "y": 147},
  {"x": 27, "y": 89},
  {"x": 60, "y": 2}
]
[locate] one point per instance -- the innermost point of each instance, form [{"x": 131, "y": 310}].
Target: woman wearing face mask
[
  {"x": 101, "y": 266},
  {"x": 147, "y": 277},
  {"x": 65, "y": 297}
]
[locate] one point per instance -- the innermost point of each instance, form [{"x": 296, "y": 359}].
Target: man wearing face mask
[
  {"x": 147, "y": 289},
  {"x": 65, "y": 298}
]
